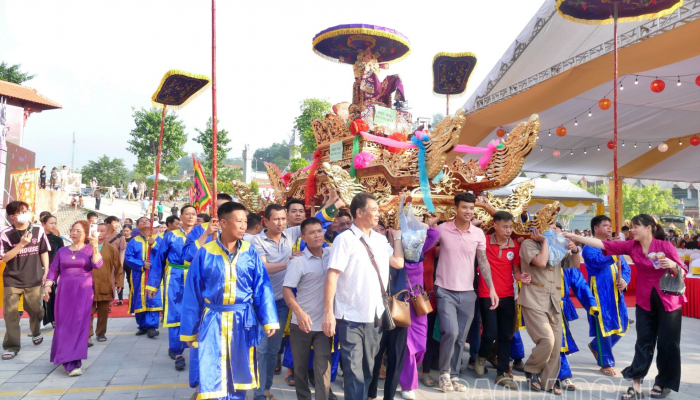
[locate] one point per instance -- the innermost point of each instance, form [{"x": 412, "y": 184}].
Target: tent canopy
[
  {"x": 161, "y": 177},
  {"x": 574, "y": 200},
  {"x": 561, "y": 69}
]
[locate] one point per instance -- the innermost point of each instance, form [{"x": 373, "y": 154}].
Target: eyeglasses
[{"x": 76, "y": 231}]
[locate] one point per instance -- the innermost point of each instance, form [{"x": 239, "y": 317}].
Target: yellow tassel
[
  {"x": 454, "y": 55},
  {"x": 620, "y": 20},
  {"x": 187, "y": 74},
  {"x": 361, "y": 31}
]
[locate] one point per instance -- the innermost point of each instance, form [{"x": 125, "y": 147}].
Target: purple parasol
[
  {"x": 600, "y": 12},
  {"x": 342, "y": 43}
]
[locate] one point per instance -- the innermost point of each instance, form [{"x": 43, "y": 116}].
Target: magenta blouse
[{"x": 647, "y": 276}]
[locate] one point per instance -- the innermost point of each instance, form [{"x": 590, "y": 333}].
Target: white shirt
[
  {"x": 358, "y": 296},
  {"x": 64, "y": 174}
]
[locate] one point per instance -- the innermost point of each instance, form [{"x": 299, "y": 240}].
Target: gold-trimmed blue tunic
[
  {"x": 135, "y": 258},
  {"x": 169, "y": 266},
  {"x": 227, "y": 306},
  {"x": 602, "y": 278}
]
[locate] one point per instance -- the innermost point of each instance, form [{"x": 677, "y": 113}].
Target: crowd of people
[{"x": 251, "y": 296}]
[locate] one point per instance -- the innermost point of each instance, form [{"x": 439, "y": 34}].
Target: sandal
[
  {"x": 290, "y": 380},
  {"x": 657, "y": 393},
  {"x": 595, "y": 353},
  {"x": 632, "y": 394},
  {"x": 101, "y": 338},
  {"x": 9, "y": 355},
  {"x": 382, "y": 372},
  {"x": 555, "y": 391},
  {"x": 278, "y": 367},
  {"x": 565, "y": 384},
  {"x": 428, "y": 381},
  {"x": 458, "y": 387},
  {"x": 532, "y": 380},
  {"x": 608, "y": 371},
  {"x": 37, "y": 340},
  {"x": 270, "y": 397}
]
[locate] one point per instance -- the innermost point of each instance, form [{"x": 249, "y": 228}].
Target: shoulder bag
[
  {"x": 673, "y": 284},
  {"x": 396, "y": 312},
  {"x": 419, "y": 299}
]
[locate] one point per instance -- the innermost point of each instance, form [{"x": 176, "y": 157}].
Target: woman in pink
[{"x": 658, "y": 314}]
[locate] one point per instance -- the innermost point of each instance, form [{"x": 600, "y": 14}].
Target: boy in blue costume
[
  {"x": 228, "y": 303},
  {"x": 608, "y": 327},
  {"x": 170, "y": 267},
  {"x": 146, "y": 309}
]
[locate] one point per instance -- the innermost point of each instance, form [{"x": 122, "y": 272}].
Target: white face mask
[{"x": 23, "y": 218}]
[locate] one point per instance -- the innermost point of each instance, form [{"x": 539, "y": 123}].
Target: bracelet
[{"x": 395, "y": 239}]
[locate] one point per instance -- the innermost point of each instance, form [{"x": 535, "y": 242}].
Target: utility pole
[{"x": 72, "y": 161}]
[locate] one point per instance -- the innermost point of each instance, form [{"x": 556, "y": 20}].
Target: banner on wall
[{"x": 26, "y": 183}]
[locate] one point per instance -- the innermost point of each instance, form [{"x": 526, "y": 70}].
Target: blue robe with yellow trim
[
  {"x": 191, "y": 243},
  {"x": 169, "y": 267},
  {"x": 135, "y": 258},
  {"x": 602, "y": 278},
  {"x": 572, "y": 278},
  {"x": 227, "y": 307}
]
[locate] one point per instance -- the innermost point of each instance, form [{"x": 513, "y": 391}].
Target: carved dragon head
[
  {"x": 442, "y": 141},
  {"x": 340, "y": 179},
  {"x": 246, "y": 196}
]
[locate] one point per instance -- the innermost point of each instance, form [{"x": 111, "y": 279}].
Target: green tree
[
  {"x": 107, "y": 171},
  {"x": 311, "y": 109},
  {"x": 436, "y": 120},
  {"x": 254, "y": 187},
  {"x": 278, "y": 153},
  {"x": 648, "y": 200},
  {"x": 230, "y": 174},
  {"x": 11, "y": 73},
  {"x": 205, "y": 138},
  {"x": 297, "y": 164},
  {"x": 144, "y": 141}
]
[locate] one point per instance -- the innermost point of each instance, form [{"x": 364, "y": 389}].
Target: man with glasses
[{"x": 25, "y": 250}]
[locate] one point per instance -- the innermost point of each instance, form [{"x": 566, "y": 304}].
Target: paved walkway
[{"x": 129, "y": 367}]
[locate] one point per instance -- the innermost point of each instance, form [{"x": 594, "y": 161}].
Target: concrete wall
[{"x": 49, "y": 200}]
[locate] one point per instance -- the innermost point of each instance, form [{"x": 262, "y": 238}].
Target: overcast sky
[{"x": 99, "y": 59}]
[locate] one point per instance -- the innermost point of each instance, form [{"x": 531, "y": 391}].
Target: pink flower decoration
[{"x": 363, "y": 159}]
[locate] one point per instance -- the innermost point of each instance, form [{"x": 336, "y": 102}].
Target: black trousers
[
  {"x": 498, "y": 324},
  {"x": 666, "y": 327},
  {"x": 97, "y": 204},
  {"x": 394, "y": 343},
  {"x": 127, "y": 272},
  {"x": 431, "y": 359}
]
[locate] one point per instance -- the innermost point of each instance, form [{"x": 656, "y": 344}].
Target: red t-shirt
[{"x": 501, "y": 260}]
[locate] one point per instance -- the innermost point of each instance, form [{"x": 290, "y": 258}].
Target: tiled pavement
[{"x": 129, "y": 367}]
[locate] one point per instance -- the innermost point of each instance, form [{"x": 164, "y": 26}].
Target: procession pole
[
  {"x": 215, "y": 153},
  {"x": 617, "y": 191},
  {"x": 155, "y": 185},
  {"x": 448, "y": 105}
]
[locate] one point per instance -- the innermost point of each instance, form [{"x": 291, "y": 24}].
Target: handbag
[
  {"x": 419, "y": 299},
  {"x": 673, "y": 284},
  {"x": 396, "y": 312}
]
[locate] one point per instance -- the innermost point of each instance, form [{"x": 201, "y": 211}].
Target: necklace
[{"x": 74, "y": 253}]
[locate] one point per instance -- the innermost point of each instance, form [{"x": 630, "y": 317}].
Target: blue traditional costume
[
  {"x": 227, "y": 305},
  {"x": 612, "y": 322},
  {"x": 147, "y": 310},
  {"x": 192, "y": 244},
  {"x": 169, "y": 265},
  {"x": 572, "y": 278}
]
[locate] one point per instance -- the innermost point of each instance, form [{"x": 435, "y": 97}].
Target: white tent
[
  {"x": 161, "y": 177},
  {"x": 574, "y": 200}
]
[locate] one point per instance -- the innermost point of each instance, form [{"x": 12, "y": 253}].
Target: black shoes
[
  {"x": 141, "y": 332},
  {"x": 180, "y": 363},
  {"x": 153, "y": 333}
]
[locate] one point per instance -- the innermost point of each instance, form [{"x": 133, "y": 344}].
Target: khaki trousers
[
  {"x": 32, "y": 305},
  {"x": 102, "y": 309},
  {"x": 544, "y": 329}
]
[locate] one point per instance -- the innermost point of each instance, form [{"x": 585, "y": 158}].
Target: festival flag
[
  {"x": 202, "y": 194},
  {"x": 191, "y": 194},
  {"x": 26, "y": 183}
]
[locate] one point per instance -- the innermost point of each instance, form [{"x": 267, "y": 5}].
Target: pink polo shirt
[
  {"x": 455, "y": 269},
  {"x": 647, "y": 276}
]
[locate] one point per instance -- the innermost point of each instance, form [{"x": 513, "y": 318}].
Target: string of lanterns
[{"x": 656, "y": 86}]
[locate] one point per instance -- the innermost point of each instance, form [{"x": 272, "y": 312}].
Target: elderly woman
[
  {"x": 73, "y": 306},
  {"x": 51, "y": 228},
  {"x": 658, "y": 314}
]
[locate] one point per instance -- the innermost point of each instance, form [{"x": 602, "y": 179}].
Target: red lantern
[
  {"x": 658, "y": 86},
  {"x": 556, "y": 153},
  {"x": 695, "y": 140},
  {"x": 561, "y": 131},
  {"x": 604, "y": 104},
  {"x": 500, "y": 132},
  {"x": 611, "y": 145},
  {"x": 697, "y": 80}
]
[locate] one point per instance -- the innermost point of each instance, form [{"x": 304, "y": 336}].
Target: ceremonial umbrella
[
  {"x": 601, "y": 12},
  {"x": 342, "y": 43},
  {"x": 176, "y": 89},
  {"x": 451, "y": 72}
]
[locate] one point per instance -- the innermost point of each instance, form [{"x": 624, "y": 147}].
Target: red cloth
[
  {"x": 501, "y": 262},
  {"x": 692, "y": 293}
]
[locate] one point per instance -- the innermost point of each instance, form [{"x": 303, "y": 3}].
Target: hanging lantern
[
  {"x": 662, "y": 147},
  {"x": 500, "y": 132},
  {"x": 561, "y": 131},
  {"x": 697, "y": 80},
  {"x": 695, "y": 140},
  {"x": 556, "y": 153},
  {"x": 604, "y": 104},
  {"x": 658, "y": 86},
  {"x": 611, "y": 145}
]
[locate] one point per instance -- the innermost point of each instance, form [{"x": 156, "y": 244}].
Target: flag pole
[
  {"x": 215, "y": 147},
  {"x": 155, "y": 185}
]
